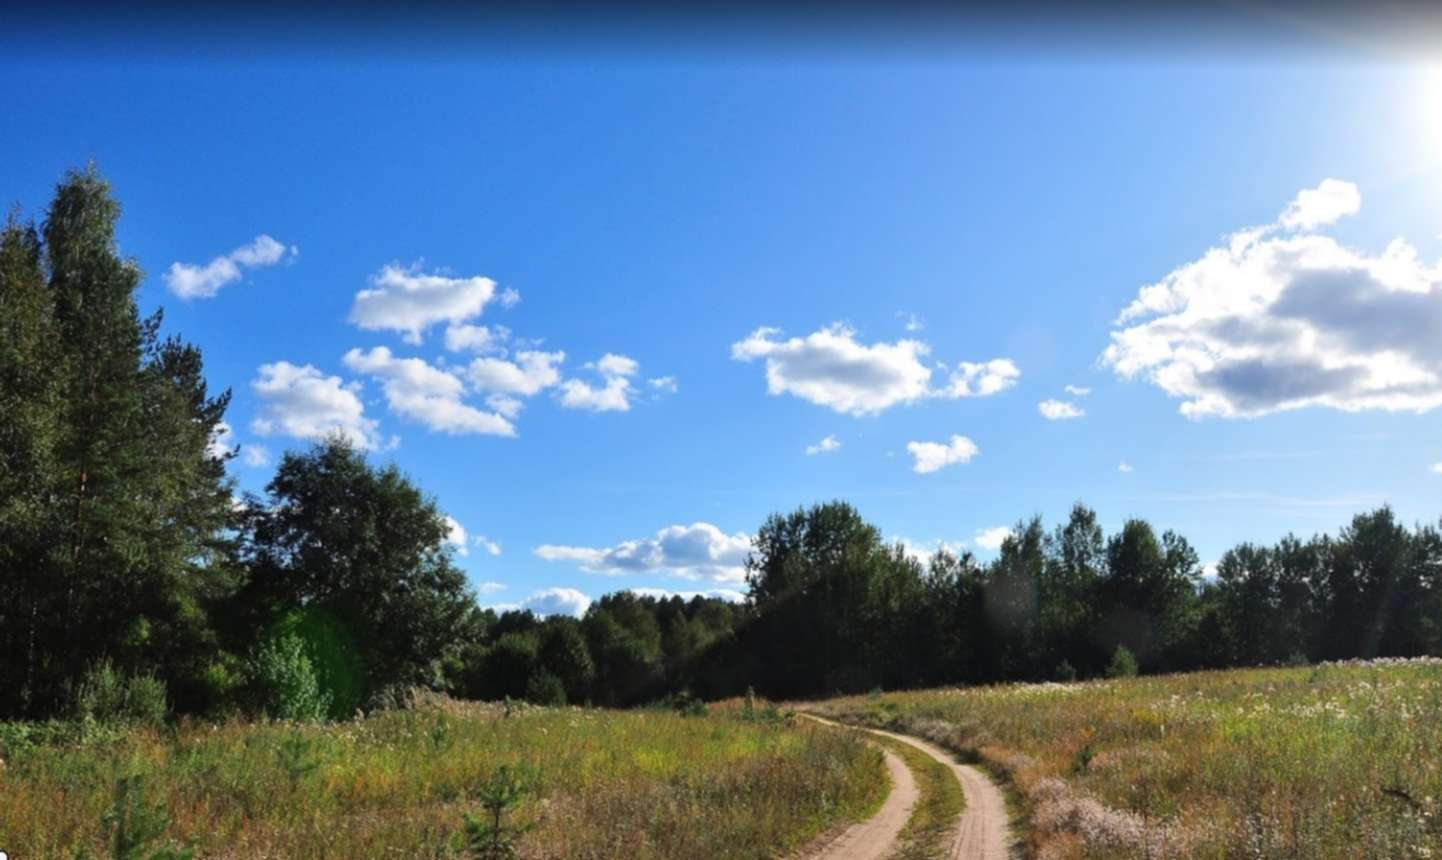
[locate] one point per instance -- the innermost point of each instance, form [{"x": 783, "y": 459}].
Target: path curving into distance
[{"x": 982, "y": 832}]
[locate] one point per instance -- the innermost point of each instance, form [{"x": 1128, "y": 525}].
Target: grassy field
[
  {"x": 640, "y": 784},
  {"x": 1332, "y": 761}
]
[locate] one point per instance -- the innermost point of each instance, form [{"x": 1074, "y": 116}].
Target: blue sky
[{"x": 939, "y": 244}]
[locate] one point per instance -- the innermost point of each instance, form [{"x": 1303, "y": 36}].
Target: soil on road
[{"x": 982, "y": 831}]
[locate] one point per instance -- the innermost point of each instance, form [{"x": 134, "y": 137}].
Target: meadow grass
[
  {"x": 1332, "y": 761},
  {"x": 637, "y": 784}
]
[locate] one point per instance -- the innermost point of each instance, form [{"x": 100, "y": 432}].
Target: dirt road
[{"x": 982, "y": 831}]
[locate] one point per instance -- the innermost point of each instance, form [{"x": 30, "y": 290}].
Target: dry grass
[
  {"x": 1334, "y": 761},
  {"x": 645, "y": 784}
]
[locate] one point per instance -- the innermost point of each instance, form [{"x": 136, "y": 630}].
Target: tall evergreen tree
[{"x": 112, "y": 444}]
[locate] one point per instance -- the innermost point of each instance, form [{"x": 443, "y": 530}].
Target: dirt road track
[{"x": 982, "y": 832}]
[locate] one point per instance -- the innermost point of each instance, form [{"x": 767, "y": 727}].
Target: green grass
[
  {"x": 941, "y": 801},
  {"x": 1334, "y": 761},
  {"x": 641, "y": 784}
]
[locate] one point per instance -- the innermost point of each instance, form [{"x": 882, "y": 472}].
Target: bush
[
  {"x": 107, "y": 695},
  {"x": 286, "y": 684},
  {"x": 1123, "y": 664},
  {"x": 545, "y": 689}
]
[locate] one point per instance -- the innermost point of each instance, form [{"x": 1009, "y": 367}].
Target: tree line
[{"x": 135, "y": 581}]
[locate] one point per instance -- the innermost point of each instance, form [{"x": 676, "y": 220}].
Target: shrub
[
  {"x": 545, "y": 689},
  {"x": 107, "y": 695},
  {"x": 286, "y": 681},
  {"x": 133, "y": 826},
  {"x": 491, "y": 836},
  {"x": 1123, "y": 664}
]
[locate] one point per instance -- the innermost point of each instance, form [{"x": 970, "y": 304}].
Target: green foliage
[
  {"x": 365, "y": 547},
  {"x": 1123, "y": 663},
  {"x": 115, "y": 514},
  {"x": 490, "y": 836},
  {"x": 133, "y": 826},
  {"x": 543, "y": 688},
  {"x": 107, "y": 695},
  {"x": 286, "y": 684},
  {"x": 688, "y": 705}
]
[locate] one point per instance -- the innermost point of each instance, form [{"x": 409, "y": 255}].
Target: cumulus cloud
[
  {"x": 462, "y": 337},
  {"x": 992, "y": 538},
  {"x": 486, "y": 588},
  {"x": 931, "y": 456},
  {"x": 485, "y": 543},
  {"x": 407, "y": 300},
  {"x": 302, "y": 402},
  {"x": 1278, "y": 320},
  {"x": 221, "y": 440},
  {"x": 426, "y": 394},
  {"x": 530, "y": 371},
  {"x": 1077, "y": 390},
  {"x": 191, "y": 282},
  {"x": 981, "y": 380},
  {"x": 831, "y": 368},
  {"x": 456, "y": 536},
  {"x": 1059, "y": 410},
  {"x": 696, "y": 551},
  {"x": 922, "y": 551},
  {"x": 1320, "y": 206},
  {"x": 727, "y": 594},
  {"x": 614, "y": 396},
  {"x": 255, "y": 456},
  {"x": 825, "y": 446},
  {"x": 1124, "y": 467},
  {"x": 557, "y": 601},
  {"x": 662, "y": 384}
]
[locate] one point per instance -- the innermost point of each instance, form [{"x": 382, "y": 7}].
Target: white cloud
[
  {"x": 1125, "y": 468},
  {"x": 484, "y": 340},
  {"x": 485, "y": 543},
  {"x": 221, "y": 440},
  {"x": 1320, "y": 206},
  {"x": 931, "y": 456},
  {"x": 255, "y": 456},
  {"x": 992, "y": 538},
  {"x": 426, "y": 394},
  {"x": 407, "y": 300},
  {"x": 486, "y": 588},
  {"x": 831, "y": 368},
  {"x": 1059, "y": 410},
  {"x": 981, "y": 380},
  {"x": 302, "y": 402},
  {"x": 529, "y": 372},
  {"x": 663, "y": 384},
  {"x": 1437, "y": 467},
  {"x": 1276, "y": 321},
  {"x": 727, "y": 594},
  {"x": 191, "y": 282},
  {"x": 614, "y": 396},
  {"x": 912, "y": 321},
  {"x": 1209, "y": 571},
  {"x": 696, "y": 551},
  {"x": 456, "y": 536},
  {"x": 1077, "y": 390},
  {"x": 825, "y": 446},
  {"x": 557, "y": 601},
  {"x": 922, "y": 551}
]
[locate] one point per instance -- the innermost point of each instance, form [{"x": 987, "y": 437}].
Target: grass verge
[
  {"x": 1331, "y": 761},
  {"x": 593, "y": 784}
]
